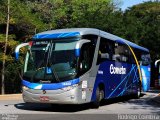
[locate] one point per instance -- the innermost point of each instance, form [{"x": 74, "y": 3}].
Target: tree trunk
[{"x": 5, "y": 49}]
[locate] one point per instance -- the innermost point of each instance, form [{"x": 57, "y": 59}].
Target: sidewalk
[
  {"x": 11, "y": 97},
  {"x": 156, "y": 98}
]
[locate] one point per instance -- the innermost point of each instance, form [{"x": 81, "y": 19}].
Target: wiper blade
[
  {"x": 49, "y": 49},
  {"x": 46, "y": 63}
]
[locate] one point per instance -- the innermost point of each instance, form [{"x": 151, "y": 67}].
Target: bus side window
[
  {"x": 145, "y": 57},
  {"x": 121, "y": 53},
  {"x": 105, "y": 50},
  {"x": 138, "y": 54},
  {"x": 92, "y": 38},
  {"x": 86, "y": 58}
]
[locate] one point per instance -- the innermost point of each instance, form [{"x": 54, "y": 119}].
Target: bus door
[{"x": 105, "y": 62}]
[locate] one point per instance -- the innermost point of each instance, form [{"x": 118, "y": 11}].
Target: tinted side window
[
  {"x": 122, "y": 53},
  {"x": 86, "y": 58},
  {"x": 143, "y": 57},
  {"x": 92, "y": 38},
  {"x": 138, "y": 56},
  {"x": 106, "y": 50}
]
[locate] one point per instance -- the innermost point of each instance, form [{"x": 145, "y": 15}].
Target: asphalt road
[{"x": 109, "y": 110}]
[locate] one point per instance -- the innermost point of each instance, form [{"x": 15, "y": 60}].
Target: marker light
[{"x": 30, "y": 43}]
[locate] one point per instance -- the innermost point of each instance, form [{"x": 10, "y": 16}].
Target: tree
[
  {"x": 81, "y": 13},
  {"x": 5, "y": 49},
  {"x": 142, "y": 26},
  {"x": 30, "y": 16}
]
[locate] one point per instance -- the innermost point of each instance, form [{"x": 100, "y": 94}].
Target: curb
[{"x": 11, "y": 97}]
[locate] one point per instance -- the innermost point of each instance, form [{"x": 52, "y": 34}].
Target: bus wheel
[
  {"x": 99, "y": 97},
  {"x": 138, "y": 94}
]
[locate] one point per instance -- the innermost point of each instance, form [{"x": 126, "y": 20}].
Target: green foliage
[
  {"x": 12, "y": 79},
  {"x": 28, "y": 17},
  {"x": 81, "y": 13},
  {"x": 142, "y": 26},
  {"x": 139, "y": 24}
]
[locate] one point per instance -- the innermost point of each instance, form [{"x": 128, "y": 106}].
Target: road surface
[{"x": 111, "y": 109}]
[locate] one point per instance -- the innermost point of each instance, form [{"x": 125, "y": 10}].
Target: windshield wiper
[
  {"x": 30, "y": 53},
  {"x": 47, "y": 54},
  {"x": 49, "y": 63}
]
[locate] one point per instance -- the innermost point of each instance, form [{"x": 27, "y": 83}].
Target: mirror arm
[
  {"x": 18, "y": 48},
  {"x": 79, "y": 45},
  {"x": 156, "y": 62}
]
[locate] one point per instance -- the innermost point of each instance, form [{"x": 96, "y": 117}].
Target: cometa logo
[{"x": 117, "y": 70}]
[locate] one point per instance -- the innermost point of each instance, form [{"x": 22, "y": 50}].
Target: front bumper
[{"x": 54, "y": 96}]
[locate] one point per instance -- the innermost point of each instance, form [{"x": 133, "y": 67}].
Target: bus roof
[{"x": 75, "y": 32}]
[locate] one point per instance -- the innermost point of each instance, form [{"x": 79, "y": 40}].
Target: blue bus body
[
  {"x": 116, "y": 78},
  {"x": 117, "y": 84},
  {"x": 146, "y": 77}
]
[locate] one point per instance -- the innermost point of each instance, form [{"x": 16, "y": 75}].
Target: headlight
[
  {"x": 25, "y": 88},
  {"x": 69, "y": 87}
]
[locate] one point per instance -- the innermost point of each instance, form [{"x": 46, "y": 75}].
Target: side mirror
[
  {"x": 79, "y": 45},
  {"x": 156, "y": 63},
  {"x": 18, "y": 48}
]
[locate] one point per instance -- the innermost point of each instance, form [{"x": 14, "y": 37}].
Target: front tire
[{"x": 99, "y": 97}]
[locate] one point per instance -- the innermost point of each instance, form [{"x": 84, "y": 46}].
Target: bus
[
  {"x": 82, "y": 65},
  {"x": 157, "y": 75}
]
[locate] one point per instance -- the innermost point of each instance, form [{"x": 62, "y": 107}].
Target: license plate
[{"x": 44, "y": 98}]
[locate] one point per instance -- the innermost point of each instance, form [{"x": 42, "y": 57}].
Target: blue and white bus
[{"x": 81, "y": 65}]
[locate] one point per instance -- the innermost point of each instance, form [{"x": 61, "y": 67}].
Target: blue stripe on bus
[
  {"x": 56, "y": 35},
  {"x": 135, "y": 78},
  {"x": 125, "y": 78},
  {"x": 116, "y": 85},
  {"x": 51, "y": 86}
]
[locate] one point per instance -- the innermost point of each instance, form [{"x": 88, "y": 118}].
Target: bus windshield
[{"x": 51, "y": 61}]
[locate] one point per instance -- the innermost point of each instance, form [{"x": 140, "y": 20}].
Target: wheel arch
[{"x": 101, "y": 86}]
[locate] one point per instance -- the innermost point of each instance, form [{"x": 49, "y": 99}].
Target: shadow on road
[
  {"x": 52, "y": 107},
  {"x": 63, "y": 107},
  {"x": 144, "y": 103},
  {"x": 120, "y": 99},
  {"x": 76, "y": 108}
]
